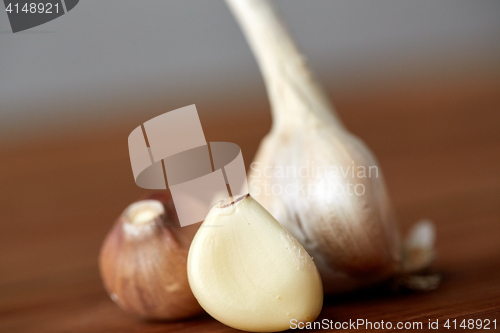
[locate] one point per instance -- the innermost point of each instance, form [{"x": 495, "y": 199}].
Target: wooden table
[{"x": 439, "y": 148}]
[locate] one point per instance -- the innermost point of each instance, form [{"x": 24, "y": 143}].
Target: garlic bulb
[
  {"x": 318, "y": 180},
  {"x": 143, "y": 261},
  {"x": 249, "y": 273}
]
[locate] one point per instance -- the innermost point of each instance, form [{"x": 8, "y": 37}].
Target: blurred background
[{"x": 108, "y": 61}]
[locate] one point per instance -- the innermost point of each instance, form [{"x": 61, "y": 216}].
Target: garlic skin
[
  {"x": 143, "y": 261},
  {"x": 249, "y": 273},
  {"x": 354, "y": 239}
]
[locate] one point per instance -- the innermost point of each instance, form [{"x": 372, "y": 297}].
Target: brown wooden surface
[{"x": 439, "y": 148}]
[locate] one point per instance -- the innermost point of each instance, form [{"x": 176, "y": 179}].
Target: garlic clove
[
  {"x": 143, "y": 261},
  {"x": 249, "y": 273}
]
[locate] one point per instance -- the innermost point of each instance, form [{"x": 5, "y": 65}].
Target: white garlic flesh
[{"x": 249, "y": 273}]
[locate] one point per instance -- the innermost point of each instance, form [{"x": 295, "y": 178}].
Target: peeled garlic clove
[
  {"x": 143, "y": 261},
  {"x": 249, "y": 273}
]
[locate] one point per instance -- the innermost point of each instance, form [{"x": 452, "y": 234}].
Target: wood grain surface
[{"x": 439, "y": 149}]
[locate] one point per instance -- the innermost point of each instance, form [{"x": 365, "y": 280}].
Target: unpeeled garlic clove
[
  {"x": 249, "y": 273},
  {"x": 143, "y": 261}
]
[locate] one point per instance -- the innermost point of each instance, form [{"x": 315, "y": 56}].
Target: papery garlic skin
[
  {"x": 249, "y": 273},
  {"x": 353, "y": 239},
  {"x": 143, "y": 261}
]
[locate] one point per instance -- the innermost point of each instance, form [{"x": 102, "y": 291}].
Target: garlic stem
[{"x": 292, "y": 89}]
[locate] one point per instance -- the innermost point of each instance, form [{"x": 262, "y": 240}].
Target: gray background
[{"x": 82, "y": 67}]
